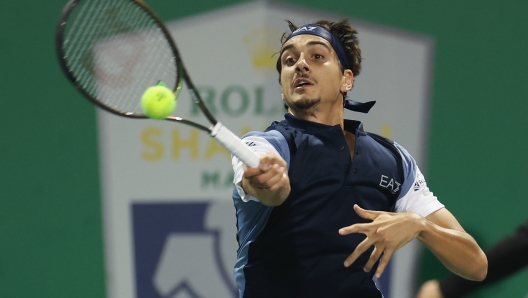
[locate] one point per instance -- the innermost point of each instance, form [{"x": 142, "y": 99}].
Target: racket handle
[{"x": 235, "y": 145}]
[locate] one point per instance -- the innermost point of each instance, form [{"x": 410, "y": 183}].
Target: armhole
[{"x": 288, "y": 136}]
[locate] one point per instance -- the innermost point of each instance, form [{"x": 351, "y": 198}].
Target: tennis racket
[{"x": 113, "y": 50}]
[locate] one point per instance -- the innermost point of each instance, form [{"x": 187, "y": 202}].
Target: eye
[
  {"x": 318, "y": 56},
  {"x": 289, "y": 61}
]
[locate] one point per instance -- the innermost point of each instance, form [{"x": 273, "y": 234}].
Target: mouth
[{"x": 301, "y": 83}]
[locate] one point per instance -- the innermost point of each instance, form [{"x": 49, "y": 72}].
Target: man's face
[{"x": 311, "y": 72}]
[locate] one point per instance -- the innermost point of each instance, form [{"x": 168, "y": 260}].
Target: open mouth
[{"x": 301, "y": 83}]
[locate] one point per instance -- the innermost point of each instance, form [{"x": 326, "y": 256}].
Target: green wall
[{"x": 50, "y": 210}]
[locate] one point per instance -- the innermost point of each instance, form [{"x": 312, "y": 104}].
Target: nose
[{"x": 302, "y": 65}]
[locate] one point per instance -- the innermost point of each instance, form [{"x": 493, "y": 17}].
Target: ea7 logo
[
  {"x": 305, "y": 28},
  {"x": 390, "y": 184},
  {"x": 418, "y": 184}
]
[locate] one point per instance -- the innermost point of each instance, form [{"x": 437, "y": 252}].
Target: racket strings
[{"x": 115, "y": 50}]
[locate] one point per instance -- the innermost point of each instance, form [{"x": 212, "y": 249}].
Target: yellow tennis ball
[{"x": 158, "y": 102}]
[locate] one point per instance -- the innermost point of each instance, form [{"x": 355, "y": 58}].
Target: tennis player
[{"x": 330, "y": 203}]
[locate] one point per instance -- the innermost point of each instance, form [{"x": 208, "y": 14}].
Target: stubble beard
[{"x": 306, "y": 106}]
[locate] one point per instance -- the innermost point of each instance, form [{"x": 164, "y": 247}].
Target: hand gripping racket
[{"x": 113, "y": 50}]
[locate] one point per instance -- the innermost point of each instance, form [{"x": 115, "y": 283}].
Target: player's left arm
[
  {"x": 419, "y": 215},
  {"x": 457, "y": 250},
  {"x": 439, "y": 231}
]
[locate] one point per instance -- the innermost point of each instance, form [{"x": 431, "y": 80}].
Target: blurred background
[{"x": 51, "y": 214}]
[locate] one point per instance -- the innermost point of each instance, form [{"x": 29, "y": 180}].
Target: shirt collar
[{"x": 350, "y": 125}]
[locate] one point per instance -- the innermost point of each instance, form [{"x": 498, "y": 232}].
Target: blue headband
[
  {"x": 323, "y": 33},
  {"x": 312, "y": 29}
]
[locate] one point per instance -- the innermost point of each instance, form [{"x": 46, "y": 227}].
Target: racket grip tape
[{"x": 235, "y": 145}]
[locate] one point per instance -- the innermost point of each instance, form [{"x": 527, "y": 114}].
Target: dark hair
[{"x": 346, "y": 34}]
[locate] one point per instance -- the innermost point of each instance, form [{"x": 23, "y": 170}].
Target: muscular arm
[
  {"x": 439, "y": 231},
  {"x": 456, "y": 249},
  {"x": 419, "y": 215}
]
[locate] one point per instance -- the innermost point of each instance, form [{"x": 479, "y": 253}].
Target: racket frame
[{"x": 216, "y": 130}]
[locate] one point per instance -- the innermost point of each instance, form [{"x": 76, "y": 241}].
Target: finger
[
  {"x": 267, "y": 179},
  {"x": 366, "y": 214},
  {"x": 273, "y": 177},
  {"x": 273, "y": 158},
  {"x": 261, "y": 181},
  {"x": 374, "y": 257},
  {"x": 264, "y": 167},
  {"x": 363, "y": 213},
  {"x": 265, "y": 162},
  {"x": 251, "y": 172},
  {"x": 355, "y": 228},
  {"x": 383, "y": 263},
  {"x": 269, "y": 159},
  {"x": 360, "y": 249}
]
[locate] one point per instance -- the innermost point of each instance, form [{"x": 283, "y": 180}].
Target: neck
[{"x": 323, "y": 113}]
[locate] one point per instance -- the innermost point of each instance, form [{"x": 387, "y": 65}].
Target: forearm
[{"x": 456, "y": 249}]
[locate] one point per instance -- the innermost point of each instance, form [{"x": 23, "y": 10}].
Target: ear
[
  {"x": 347, "y": 80},
  {"x": 282, "y": 96}
]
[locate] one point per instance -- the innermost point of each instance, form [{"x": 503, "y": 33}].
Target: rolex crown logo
[{"x": 259, "y": 44}]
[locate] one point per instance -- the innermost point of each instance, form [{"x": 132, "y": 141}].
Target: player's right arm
[{"x": 269, "y": 183}]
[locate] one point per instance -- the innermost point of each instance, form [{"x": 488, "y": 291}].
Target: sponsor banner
[{"x": 169, "y": 220}]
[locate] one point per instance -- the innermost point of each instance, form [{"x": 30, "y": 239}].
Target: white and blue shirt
[{"x": 294, "y": 250}]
